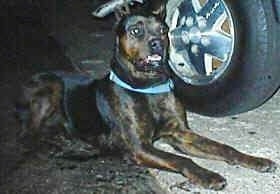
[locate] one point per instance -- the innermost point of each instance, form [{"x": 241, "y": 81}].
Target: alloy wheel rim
[{"x": 201, "y": 34}]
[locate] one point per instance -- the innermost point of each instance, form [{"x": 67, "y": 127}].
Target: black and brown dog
[{"x": 138, "y": 105}]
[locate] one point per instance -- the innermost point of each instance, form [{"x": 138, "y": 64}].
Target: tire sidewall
[{"x": 251, "y": 77}]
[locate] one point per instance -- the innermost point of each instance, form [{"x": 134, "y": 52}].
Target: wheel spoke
[
  {"x": 196, "y": 5},
  {"x": 186, "y": 10},
  {"x": 197, "y": 60},
  {"x": 213, "y": 11},
  {"x": 176, "y": 38},
  {"x": 174, "y": 20},
  {"x": 185, "y": 67},
  {"x": 208, "y": 64},
  {"x": 219, "y": 46},
  {"x": 219, "y": 22}
]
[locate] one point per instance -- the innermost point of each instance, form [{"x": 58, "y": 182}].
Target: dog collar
[{"x": 168, "y": 86}]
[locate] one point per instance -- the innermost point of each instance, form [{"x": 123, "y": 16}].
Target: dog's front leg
[
  {"x": 148, "y": 156},
  {"x": 193, "y": 144}
]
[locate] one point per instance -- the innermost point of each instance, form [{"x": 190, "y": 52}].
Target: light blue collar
[{"x": 168, "y": 86}]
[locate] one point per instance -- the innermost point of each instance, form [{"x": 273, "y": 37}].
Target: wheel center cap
[{"x": 195, "y": 35}]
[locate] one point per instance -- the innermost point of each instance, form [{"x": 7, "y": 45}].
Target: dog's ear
[
  {"x": 122, "y": 11},
  {"x": 158, "y": 8}
]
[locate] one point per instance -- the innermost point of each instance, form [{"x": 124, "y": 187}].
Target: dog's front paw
[
  {"x": 263, "y": 165},
  {"x": 206, "y": 179}
]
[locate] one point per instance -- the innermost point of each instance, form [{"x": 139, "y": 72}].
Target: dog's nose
[{"x": 156, "y": 44}]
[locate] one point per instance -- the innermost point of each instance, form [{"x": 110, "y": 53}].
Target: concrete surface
[{"x": 256, "y": 132}]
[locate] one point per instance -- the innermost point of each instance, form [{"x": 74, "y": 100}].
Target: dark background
[{"x": 36, "y": 36}]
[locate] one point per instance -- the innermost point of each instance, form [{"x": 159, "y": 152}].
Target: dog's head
[{"x": 141, "y": 50}]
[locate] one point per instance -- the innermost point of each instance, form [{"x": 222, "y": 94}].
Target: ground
[
  {"x": 255, "y": 132},
  {"x": 28, "y": 164}
]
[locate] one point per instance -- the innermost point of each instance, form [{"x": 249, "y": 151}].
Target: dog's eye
[{"x": 136, "y": 31}]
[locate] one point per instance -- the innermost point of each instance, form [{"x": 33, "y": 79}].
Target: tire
[{"x": 252, "y": 75}]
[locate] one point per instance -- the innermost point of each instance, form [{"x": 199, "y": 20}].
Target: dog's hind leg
[
  {"x": 196, "y": 145},
  {"x": 39, "y": 103},
  {"x": 149, "y": 156}
]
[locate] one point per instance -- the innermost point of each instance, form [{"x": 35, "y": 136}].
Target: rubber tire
[{"x": 253, "y": 75}]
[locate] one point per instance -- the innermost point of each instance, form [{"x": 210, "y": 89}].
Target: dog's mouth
[{"x": 151, "y": 63}]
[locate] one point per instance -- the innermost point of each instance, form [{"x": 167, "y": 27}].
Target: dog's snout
[{"x": 156, "y": 44}]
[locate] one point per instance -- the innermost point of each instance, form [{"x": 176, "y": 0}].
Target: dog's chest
[
  {"x": 122, "y": 102},
  {"x": 162, "y": 106}
]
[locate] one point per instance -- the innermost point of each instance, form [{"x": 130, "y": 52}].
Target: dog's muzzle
[{"x": 154, "y": 61}]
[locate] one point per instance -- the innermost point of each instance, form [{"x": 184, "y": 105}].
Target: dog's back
[{"x": 60, "y": 99}]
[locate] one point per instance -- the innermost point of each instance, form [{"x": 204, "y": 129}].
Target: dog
[{"x": 136, "y": 101}]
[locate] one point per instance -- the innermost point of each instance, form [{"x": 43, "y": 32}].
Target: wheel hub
[{"x": 195, "y": 35}]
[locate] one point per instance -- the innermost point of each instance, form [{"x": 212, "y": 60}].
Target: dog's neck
[
  {"x": 122, "y": 78},
  {"x": 166, "y": 87},
  {"x": 118, "y": 67}
]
